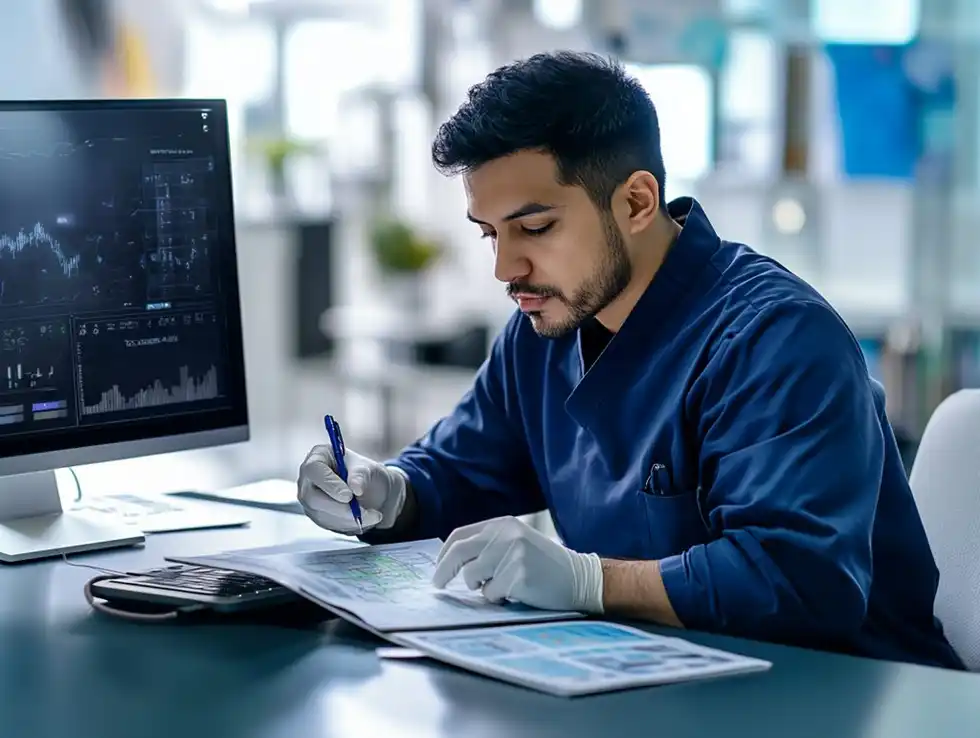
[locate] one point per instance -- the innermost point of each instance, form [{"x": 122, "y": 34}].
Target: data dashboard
[{"x": 114, "y": 289}]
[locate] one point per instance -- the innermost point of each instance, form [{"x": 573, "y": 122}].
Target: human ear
[{"x": 642, "y": 194}]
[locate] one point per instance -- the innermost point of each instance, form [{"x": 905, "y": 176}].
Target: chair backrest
[{"x": 945, "y": 481}]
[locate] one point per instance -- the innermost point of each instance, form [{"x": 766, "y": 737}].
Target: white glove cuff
[{"x": 587, "y": 573}]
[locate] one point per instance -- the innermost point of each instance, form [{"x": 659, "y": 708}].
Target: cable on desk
[
  {"x": 78, "y": 484},
  {"x": 107, "y": 609},
  {"x": 102, "y": 569},
  {"x": 105, "y": 573},
  {"x": 143, "y": 617}
]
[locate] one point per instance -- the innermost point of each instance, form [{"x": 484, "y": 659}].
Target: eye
[
  {"x": 487, "y": 234},
  {"x": 538, "y": 231}
]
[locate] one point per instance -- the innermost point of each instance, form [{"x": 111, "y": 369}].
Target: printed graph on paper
[
  {"x": 375, "y": 576},
  {"x": 396, "y": 575},
  {"x": 387, "y": 587}
]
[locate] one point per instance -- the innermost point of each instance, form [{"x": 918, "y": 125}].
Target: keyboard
[{"x": 185, "y": 584}]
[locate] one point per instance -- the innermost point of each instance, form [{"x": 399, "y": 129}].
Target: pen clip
[{"x": 654, "y": 482}]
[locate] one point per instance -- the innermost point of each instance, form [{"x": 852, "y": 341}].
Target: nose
[{"x": 510, "y": 264}]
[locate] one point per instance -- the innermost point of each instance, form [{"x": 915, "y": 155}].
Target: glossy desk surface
[{"x": 66, "y": 672}]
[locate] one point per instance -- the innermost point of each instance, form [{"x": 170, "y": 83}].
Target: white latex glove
[
  {"x": 380, "y": 491},
  {"x": 510, "y": 560}
]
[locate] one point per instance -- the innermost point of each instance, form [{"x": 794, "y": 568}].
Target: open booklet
[
  {"x": 387, "y": 590},
  {"x": 384, "y": 589}
]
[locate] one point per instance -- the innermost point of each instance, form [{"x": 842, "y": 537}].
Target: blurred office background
[{"x": 841, "y": 138}]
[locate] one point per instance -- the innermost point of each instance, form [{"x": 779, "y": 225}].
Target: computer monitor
[{"x": 120, "y": 322}]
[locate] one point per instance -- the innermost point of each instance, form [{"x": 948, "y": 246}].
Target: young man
[{"x": 699, "y": 422}]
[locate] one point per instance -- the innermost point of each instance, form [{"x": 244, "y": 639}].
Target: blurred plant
[
  {"x": 400, "y": 249},
  {"x": 276, "y": 151}
]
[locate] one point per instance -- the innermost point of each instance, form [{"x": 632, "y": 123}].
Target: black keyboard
[
  {"x": 191, "y": 585},
  {"x": 203, "y": 580}
]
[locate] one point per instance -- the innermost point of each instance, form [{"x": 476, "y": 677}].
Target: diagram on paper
[
  {"x": 390, "y": 587},
  {"x": 372, "y": 576},
  {"x": 399, "y": 576}
]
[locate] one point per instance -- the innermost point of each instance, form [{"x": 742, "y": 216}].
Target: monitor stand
[{"x": 34, "y": 525}]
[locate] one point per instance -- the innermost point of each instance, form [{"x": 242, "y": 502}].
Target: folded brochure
[{"x": 571, "y": 659}]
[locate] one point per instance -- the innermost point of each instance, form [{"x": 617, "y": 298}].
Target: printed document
[
  {"x": 578, "y": 657},
  {"x": 384, "y": 588}
]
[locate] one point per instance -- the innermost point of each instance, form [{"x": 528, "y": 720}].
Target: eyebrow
[{"x": 531, "y": 208}]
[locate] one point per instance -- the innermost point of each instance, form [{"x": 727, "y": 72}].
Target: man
[{"x": 699, "y": 422}]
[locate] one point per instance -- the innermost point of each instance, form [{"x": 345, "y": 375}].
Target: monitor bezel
[{"x": 115, "y": 441}]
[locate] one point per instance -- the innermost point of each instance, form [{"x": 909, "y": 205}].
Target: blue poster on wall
[
  {"x": 895, "y": 105},
  {"x": 929, "y": 69},
  {"x": 871, "y": 348},
  {"x": 876, "y": 110}
]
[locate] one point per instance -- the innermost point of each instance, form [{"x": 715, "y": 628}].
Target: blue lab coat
[{"x": 729, "y": 430}]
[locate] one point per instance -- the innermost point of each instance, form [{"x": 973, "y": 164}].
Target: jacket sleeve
[
  {"x": 792, "y": 456},
  {"x": 474, "y": 464}
]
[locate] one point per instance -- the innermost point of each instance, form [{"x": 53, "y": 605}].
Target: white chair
[{"x": 945, "y": 482}]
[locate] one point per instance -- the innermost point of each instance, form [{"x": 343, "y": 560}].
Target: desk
[{"x": 68, "y": 673}]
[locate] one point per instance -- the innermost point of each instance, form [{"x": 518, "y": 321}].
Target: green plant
[
  {"x": 277, "y": 150},
  {"x": 399, "y": 249}
]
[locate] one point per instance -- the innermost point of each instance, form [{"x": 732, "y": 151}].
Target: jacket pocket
[{"x": 674, "y": 521}]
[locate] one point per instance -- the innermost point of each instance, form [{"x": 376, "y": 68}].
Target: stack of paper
[{"x": 387, "y": 590}]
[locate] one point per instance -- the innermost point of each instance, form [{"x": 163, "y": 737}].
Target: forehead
[{"x": 503, "y": 185}]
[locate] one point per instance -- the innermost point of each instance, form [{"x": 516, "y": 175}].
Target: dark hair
[{"x": 596, "y": 120}]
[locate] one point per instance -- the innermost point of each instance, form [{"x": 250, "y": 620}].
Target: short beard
[{"x": 608, "y": 282}]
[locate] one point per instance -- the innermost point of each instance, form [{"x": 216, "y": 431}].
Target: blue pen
[{"x": 339, "y": 451}]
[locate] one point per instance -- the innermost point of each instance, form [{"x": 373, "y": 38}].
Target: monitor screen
[{"x": 119, "y": 306}]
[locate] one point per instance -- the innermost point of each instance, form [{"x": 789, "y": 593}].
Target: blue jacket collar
[
  {"x": 694, "y": 247},
  {"x": 683, "y": 275},
  {"x": 682, "y": 270}
]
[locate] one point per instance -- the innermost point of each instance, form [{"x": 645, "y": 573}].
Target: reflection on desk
[{"x": 69, "y": 672}]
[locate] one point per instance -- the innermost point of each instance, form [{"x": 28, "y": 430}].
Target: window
[
  {"x": 748, "y": 108},
  {"x": 559, "y": 15},
  {"x": 682, "y": 95},
  {"x": 879, "y": 21},
  {"x": 234, "y": 61},
  {"x": 325, "y": 60}
]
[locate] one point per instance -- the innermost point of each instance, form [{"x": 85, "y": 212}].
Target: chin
[{"x": 551, "y": 328}]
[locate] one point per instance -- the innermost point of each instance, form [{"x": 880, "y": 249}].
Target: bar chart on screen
[
  {"x": 131, "y": 364},
  {"x": 188, "y": 389}
]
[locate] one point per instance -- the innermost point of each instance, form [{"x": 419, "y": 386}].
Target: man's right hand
[{"x": 380, "y": 491}]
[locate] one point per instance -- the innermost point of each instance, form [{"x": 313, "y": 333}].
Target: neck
[{"x": 650, "y": 254}]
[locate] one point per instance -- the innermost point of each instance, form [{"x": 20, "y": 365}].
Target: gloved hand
[
  {"x": 509, "y": 559},
  {"x": 380, "y": 491}
]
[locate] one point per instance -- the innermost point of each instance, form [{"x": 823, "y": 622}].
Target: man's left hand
[{"x": 510, "y": 560}]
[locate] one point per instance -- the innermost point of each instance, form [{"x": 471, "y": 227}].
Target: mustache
[{"x": 519, "y": 288}]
